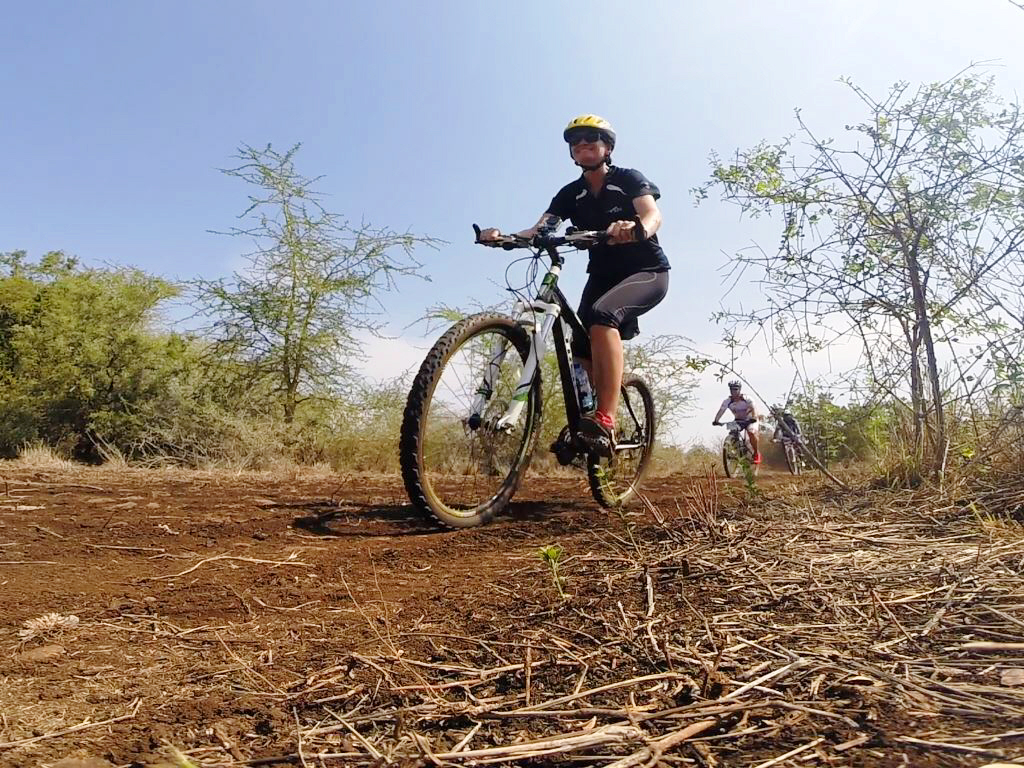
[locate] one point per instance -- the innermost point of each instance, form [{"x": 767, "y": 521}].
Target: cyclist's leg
[
  {"x": 617, "y": 307},
  {"x": 752, "y": 437},
  {"x": 581, "y": 345},
  {"x": 606, "y": 347}
]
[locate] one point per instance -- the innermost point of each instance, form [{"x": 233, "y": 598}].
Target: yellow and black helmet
[{"x": 591, "y": 123}]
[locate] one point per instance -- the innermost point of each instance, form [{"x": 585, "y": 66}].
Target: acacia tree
[
  {"x": 906, "y": 239},
  {"x": 662, "y": 361},
  {"x": 312, "y": 283}
]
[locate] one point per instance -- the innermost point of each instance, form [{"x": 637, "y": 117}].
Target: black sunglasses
[{"x": 584, "y": 137}]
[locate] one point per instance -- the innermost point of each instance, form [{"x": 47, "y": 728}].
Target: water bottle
[{"x": 586, "y": 394}]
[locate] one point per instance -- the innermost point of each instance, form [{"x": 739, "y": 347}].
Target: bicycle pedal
[{"x": 602, "y": 446}]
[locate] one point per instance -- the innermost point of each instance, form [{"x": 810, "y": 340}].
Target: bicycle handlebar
[
  {"x": 739, "y": 423},
  {"x": 576, "y": 238}
]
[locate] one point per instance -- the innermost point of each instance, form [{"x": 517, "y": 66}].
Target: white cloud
[{"x": 387, "y": 358}]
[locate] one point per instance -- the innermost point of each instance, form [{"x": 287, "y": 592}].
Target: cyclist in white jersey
[{"x": 744, "y": 412}]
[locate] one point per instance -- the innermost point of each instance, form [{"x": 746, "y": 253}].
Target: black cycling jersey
[{"x": 613, "y": 203}]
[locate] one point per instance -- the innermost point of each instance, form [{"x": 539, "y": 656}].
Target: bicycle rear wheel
[
  {"x": 458, "y": 468},
  {"x": 614, "y": 482}
]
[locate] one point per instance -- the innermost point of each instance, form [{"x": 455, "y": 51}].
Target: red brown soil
[
  {"x": 201, "y": 647},
  {"x": 133, "y": 642}
]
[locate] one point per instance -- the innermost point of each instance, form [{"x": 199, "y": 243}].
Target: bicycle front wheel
[
  {"x": 730, "y": 456},
  {"x": 614, "y": 481},
  {"x": 462, "y": 456},
  {"x": 792, "y": 458}
]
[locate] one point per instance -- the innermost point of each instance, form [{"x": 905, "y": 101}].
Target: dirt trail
[
  {"x": 259, "y": 564},
  {"x": 233, "y": 617}
]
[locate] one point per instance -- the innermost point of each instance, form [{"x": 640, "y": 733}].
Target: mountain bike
[
  {"x": 736, "y": 448},
  {"x": 473, "y": 414}
]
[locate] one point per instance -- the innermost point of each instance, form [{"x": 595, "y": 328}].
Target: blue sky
[{"x": 430, "y": 117}]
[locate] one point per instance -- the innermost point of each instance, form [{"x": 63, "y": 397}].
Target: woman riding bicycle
[
  {"x": 628, "y": 273},
  {"x": 745, "y": 414}
]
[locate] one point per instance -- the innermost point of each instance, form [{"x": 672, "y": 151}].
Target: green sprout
[
  {"x": 749, "y": 478},
  {"x": 552, "y": 556}
]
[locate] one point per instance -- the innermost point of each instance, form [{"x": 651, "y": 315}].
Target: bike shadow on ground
[
  {"x": 365, "y": 520},
  {"x": 361, "y": 520},
  {"x": 532, "y": 512}
]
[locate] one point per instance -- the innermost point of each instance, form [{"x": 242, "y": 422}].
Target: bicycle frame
[
  {"x": 738, "y": 436},
  {"x": 548, "y": 314}
]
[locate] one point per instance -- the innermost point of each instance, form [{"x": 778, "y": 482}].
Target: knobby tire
[{"x": 430, "y": 491}]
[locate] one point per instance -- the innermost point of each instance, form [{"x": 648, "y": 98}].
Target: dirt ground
[{"x": 260, "y": 620}]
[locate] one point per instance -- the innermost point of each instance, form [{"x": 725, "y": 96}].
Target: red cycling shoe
[{"x": 598, "y": 432}]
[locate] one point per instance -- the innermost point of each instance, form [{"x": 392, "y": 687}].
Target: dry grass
[
  {"x": 1003, "y": 527},
  {"x": 674, "y": 460},
  {"x": 806, "y": 624},
  {"x": 42, "y": 457}
]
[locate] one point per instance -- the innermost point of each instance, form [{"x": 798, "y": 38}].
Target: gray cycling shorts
[{"x": 617, "y": 303}]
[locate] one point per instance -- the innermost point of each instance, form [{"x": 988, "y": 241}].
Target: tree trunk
[
  {"x": 916, "y": 390},
  {"x": 924, "y": 333}
]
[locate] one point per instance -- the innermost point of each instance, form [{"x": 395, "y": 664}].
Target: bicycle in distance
[
  {"x": 736, "y": 448},
  {"x": 787, "y": 434},
  {"x": 473, "y": 415}
]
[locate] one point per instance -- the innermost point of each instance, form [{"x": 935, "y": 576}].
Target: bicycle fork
[{"x": 538, "y": 318}]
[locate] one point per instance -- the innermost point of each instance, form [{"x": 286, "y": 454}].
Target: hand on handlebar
[
  {"x": 626, "y": 231},
  {"x": 532, "y": 238},
  {"x": 620, "y": 232},
  {"x": 716, "y": 423},
  {"x": 492, "y": 237}
]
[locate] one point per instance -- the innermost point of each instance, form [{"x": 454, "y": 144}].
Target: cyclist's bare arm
[
  {"x": 648, "y": 216},
  {"x": 546, "y": 221},
  {"x": 752, "y": 421}
]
